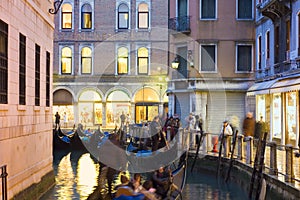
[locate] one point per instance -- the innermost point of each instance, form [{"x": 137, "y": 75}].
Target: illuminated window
[
  {"x": 66, "y": 60},
  {"x": 122, "y": 60},
  {"x": 86, "y": 60},
  {"x": 143, "y": 16},
  {"x": 86, "y": 16},
  {"x": 277, "y": 115},
  {"x": 66, "y": 16},
  {"x": 142, "y": 60},
  {"x": 123, "y": 16}
]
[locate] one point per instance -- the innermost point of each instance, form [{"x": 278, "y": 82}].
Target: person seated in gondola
[
  {"x": 124, "y": 182},
  {"x": 162, "y": 180}
]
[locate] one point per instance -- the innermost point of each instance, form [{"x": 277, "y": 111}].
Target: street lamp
[
  {"x": 175, "y": 63},
  {"x": 56, "y": 4}
]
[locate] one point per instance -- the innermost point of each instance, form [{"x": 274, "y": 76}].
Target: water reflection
[
  {"x": 76, "y": 176},
  {"x": 202, "y": 185}
]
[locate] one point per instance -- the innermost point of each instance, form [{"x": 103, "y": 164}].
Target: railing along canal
[
  {"x": 246, "y": 149},
  {"x": 275, "y": 155}
]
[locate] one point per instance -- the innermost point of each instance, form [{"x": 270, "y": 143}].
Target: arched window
[
  {"x": 86, "y": 16},
  {"x": 86, "y": 60},
  {"x": 66, "y": 16},
  {"x": 143, "y": 16},
  {"x": 122, "y": 60},
  {"x": 123, "y": 16},
  {"x": 66, "y": 60},
  {"x": 142, "y": 60}
]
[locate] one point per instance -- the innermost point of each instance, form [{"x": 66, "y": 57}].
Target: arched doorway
[
  {"x": 63, "y": 104},
  {"x": 90, "y": 108},
  {"x": 146, "y": 105},
  {"x": 117, "y": 102}
]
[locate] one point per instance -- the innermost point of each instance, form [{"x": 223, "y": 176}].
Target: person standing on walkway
[
  {"x": 155, "y": 129},
  {"x": 57, "y": 120},
  {"x": 65, "y": 119},
  {"x": 248, "y": 125},
  {"x": 123, "y": 119}
]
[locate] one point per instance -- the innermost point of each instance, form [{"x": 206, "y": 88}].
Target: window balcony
[
  {"x": 180, "y": 24},
  {"x": 273, "y": 9}
]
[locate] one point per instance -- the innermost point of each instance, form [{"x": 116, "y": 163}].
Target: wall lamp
[
  {"x": 175, "y": 63},
  {"x": 56, "y": 5}
]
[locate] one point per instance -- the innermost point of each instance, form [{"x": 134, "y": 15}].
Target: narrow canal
[{"x": 77, "y": 176}]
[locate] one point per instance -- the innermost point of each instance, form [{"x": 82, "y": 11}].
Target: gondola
[
  {"x": 175, "y": 186},
  {"x": 60, "y": 140}
]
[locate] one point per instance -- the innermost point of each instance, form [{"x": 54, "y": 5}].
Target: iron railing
[
  {"x": 180, "y": 24},
  {"x": 4, "y": 182}
]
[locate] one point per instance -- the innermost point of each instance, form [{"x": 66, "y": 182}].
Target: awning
[
  {"x": 286, "y": 85},
  {"x": 260, "y": 88}
]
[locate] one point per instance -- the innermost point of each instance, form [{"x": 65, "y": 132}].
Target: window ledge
[
  {"x": 22, "y": 107},
  {"x": 37, "y": 108},
  {"x": 47, "y": 109},
  {"x": 3, "y": 107}
]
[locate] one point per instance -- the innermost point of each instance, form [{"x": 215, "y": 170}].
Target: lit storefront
[
  {"x": 278, "y": 105},
  {"x": 90, "y": 108},
  {"x": 117, "y": 103},
  {"x": 147, "y": 105}
]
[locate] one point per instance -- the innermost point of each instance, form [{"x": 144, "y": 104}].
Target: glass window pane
[
  {"x": 123, "y": 20},
  {"x": 277, "y": 115},
  {"x": 208, "y": 9},
  {"x": 143, "y": 20},
  {"x": 67, "y": 20},
  {"x": 86, "y": 51},
  {"x": 122, "y": 65},
  {"x": 244, "y": 58},
  {"x": 86, "y": 65},
  {"x": 245, "y": 9},
  {"x": 143, "y": 7},
  {"x": 66, "y": 65},
  {"x": 86, "y": 20},
  {"x": 207, "y": 58},
  {"x": 143, "y": 65}
]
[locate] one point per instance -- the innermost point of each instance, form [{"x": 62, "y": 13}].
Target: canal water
[{"x": 78, "y": 176}]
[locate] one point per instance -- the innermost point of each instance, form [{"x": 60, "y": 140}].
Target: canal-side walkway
[{"x": 280, "y": 161}]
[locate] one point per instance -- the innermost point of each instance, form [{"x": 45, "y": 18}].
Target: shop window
[
  {"x": 122, "y": 64},
  {"x": 261, "y": 107},
  {"x": 143, "y": 60},
  {"x": 90, "y": 108},
  {"x": 66, "y": 60},
  {"x": 277, "y": 128},
  {"x": 208, "y": 9},
  {"x": 208, "y": 58},
  {"x": 244, "y": 58},
  {"x": 143, "y": 16},
  {"x": 291, "y": 113},
  {"x": 86, "y": 16},
  {"x": 244, "y": 9},
  {"x": 86, "y": 60},
  {"x": 118, "y": 102},
  {"x": 66, "y": 16},
  {"x": 123, "y": 16}
]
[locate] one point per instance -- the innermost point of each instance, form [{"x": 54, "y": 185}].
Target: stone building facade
[
  {"x": 111, "y": 58},
  {"x": 26, "y": 54},
  {"x": 214, "y": 42},
  {"x": 277, "y": 84}
]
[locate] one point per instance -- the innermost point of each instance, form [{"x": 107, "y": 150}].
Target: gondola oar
[{"x": 197, "y": 151}]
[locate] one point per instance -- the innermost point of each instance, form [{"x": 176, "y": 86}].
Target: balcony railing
[{"x": 180, "y": 24}]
